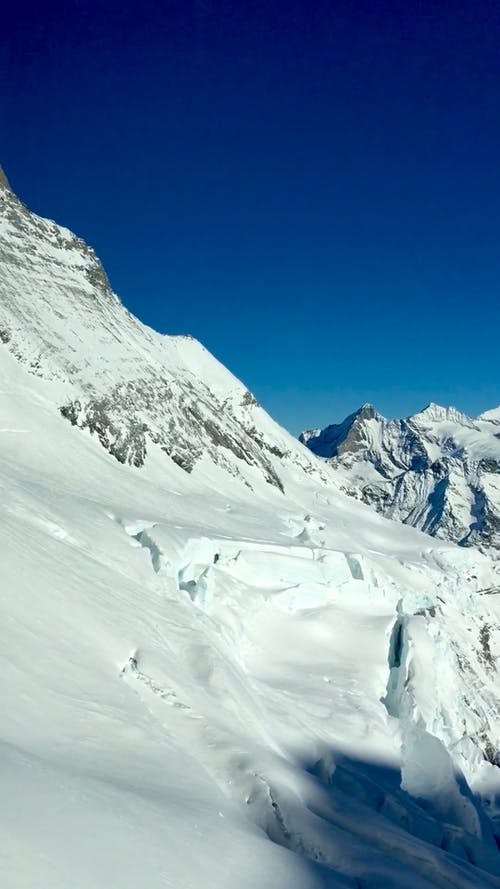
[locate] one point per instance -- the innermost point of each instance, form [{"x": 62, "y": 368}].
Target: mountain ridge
[
  {"x": 79, "y": 334},
  {"x": 437, "y": 470}
]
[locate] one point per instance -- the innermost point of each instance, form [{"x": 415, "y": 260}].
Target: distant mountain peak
[
  {"x": 436, "y": 470},
  {"x": 367, "y": 411},
  {"x": 438, "y": 413},
  {"x": 349, "y": 436}
]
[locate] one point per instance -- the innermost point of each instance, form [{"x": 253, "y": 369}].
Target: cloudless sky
[{"x": 312, "y": 189}]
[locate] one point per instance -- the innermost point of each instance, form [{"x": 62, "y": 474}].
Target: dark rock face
[{"x": 126, "y": 444}]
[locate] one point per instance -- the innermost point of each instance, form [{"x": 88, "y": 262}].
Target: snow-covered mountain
[
  {"x": 438, "y": 470},
  {"x": 217, "y": 670},
  {"x": 132, "y": 388}
]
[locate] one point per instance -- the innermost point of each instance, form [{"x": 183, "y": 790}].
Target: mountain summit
[{"x": 438, "y": 470}]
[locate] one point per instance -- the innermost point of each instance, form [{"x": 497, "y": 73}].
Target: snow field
[{"x": 194, "y": 689}]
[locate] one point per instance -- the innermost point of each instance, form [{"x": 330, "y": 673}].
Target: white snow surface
[
  {"x": 492, "y": 416},
  {"x": 208, "y": 682}
]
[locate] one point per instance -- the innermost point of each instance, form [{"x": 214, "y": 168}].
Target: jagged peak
[
  {"x": 335, "y": 431},
  {"x": 367, "y": 412},
  {"x": 437, "y": 412}
]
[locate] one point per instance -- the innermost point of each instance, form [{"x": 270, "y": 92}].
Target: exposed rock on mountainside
[
  {"x": 438, "y": 470},
  {"x": 116, "y": 378}
]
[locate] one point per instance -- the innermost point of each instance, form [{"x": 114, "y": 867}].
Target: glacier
[{"x": 218, "y": 669}]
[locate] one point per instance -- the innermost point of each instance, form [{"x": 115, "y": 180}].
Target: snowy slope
[
  {"x": 207, "y": 684},
  {"x": 134, "y": 389},
  {"x": 492, "y": 416},
  {"x": 438, "y": 470}
]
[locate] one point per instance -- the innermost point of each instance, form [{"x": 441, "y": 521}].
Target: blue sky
[{"x": 312, "y": 189}]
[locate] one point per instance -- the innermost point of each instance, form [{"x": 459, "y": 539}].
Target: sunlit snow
[{"x": 209, "y": 680}]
